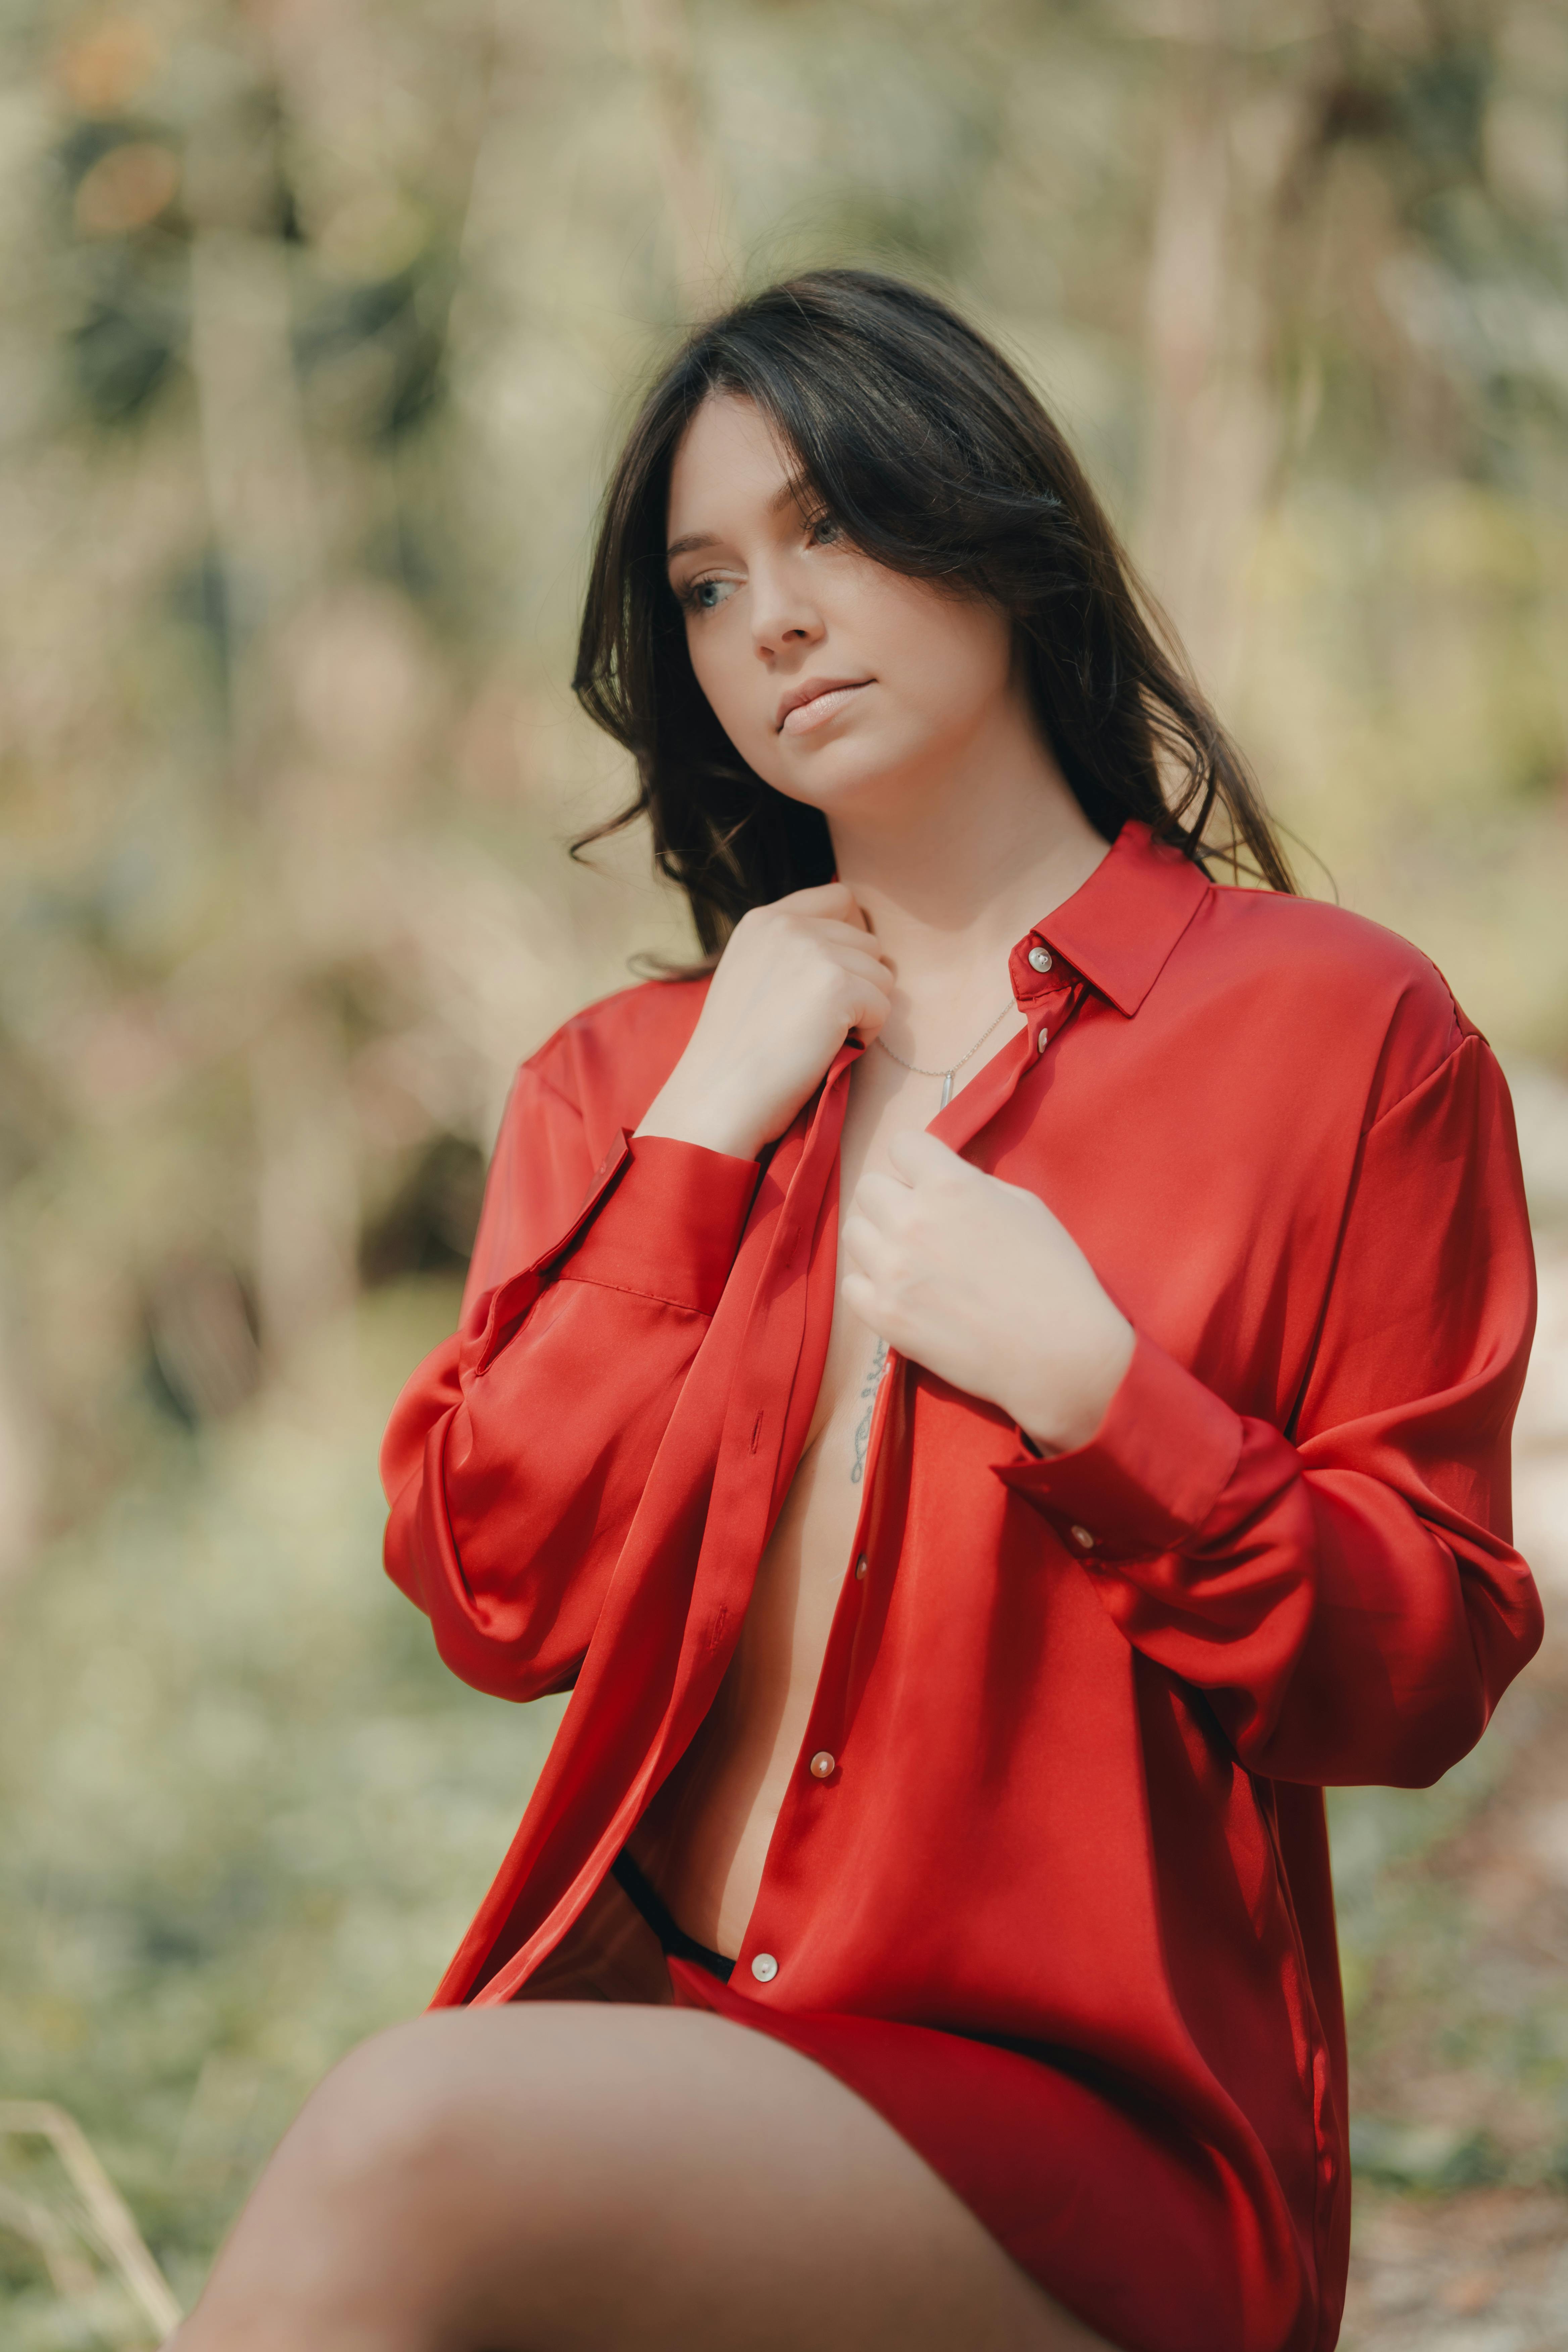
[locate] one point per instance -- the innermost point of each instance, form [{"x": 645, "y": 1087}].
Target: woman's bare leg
[{"x": 577, "y": 2177}]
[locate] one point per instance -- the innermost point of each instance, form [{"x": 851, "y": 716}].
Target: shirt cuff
[
  {"x": 1152, "y": 1473},
  {"x": 670, "y": 1225}
]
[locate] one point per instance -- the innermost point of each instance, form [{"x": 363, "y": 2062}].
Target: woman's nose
[{"x": 782, "y": 617}]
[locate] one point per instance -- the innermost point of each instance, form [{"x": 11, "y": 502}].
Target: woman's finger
[
  {"x": 862, "y": 1242},
  {"x": 833, "y": 898},
  {"x": 860, "y": 1296},
  {"x": 914, "y": 1154},
  {"x": 845, "y": 935},
  {"x": 869, "y": 1010},
  {"x": 865, "y": 966},
  {"x": 878, "y": 1199}
]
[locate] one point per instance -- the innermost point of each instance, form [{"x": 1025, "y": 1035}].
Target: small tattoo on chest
[{"x": 869, "y": 1387}]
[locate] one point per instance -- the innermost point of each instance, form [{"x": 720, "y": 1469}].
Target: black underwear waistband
[{"x": 674, "y": 1940}]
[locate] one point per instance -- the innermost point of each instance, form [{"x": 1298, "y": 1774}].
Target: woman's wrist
[
  {"x": 1063, "y": 1415},
  {"x": 699, "y": 1117}
]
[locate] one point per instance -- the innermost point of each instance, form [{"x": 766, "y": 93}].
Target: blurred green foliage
[
  {"x": 248, "y": 1814},
  {"x": 317, "y": 325}
]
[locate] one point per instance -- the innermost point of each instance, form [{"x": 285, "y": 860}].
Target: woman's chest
[
  {"x": 884, "y": 1101},
  {"x": 808, "y": 1549}
]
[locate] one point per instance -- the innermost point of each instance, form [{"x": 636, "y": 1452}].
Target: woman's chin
[{"x": 842, "y": 772}]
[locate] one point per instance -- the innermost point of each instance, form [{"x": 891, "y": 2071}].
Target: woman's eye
[
  {"x": 823, "y": 532},
  {"x": 706, "y": 596}
]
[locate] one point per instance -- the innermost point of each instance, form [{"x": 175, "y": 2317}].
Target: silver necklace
[{"x": 948, "y": 1075}]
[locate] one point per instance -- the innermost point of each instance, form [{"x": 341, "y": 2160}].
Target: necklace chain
[{"x": 948, "y": 1068}]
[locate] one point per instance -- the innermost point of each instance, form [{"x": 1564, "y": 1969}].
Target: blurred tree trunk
[
  {"x": 1214, "y": 280},
  {"x": 659, "y": 40},
  {"x": 306, "y": 1202},
  {"x": 20, "y": 1483},
  {"x": 259, "y": 495},
  {"x": 267, "y": 546}
]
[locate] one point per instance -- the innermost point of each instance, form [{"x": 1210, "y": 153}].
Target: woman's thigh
[{"x": 563, "y": 2177}]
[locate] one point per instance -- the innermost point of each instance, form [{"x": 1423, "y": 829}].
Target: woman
[{"x": 991, "y": 1394}]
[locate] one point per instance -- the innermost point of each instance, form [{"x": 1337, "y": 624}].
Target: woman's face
[{"x": 833, "y": 677}]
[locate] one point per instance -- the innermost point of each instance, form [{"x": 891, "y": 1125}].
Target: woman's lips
[{"x": 820, "y": 709}]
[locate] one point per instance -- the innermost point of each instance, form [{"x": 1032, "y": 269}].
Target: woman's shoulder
[
  {"x": 627, "y": 1042},
  {"x": 1300, "y": 964}
]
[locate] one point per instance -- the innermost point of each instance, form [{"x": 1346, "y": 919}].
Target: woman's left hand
[{"x": 977, "y": 1281}]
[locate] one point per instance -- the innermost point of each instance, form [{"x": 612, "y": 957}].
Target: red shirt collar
[{"x": 1120, "y": 926}]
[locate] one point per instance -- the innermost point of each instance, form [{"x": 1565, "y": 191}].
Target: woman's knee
[
  {"x": 393, "y": 2122},
  {"x": 345, "y": 2242},
  {"x": 442, "y": 2111}
]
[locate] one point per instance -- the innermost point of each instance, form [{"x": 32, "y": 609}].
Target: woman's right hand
[{"x": 795, "y": 979}]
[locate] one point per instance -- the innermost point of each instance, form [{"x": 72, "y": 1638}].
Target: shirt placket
[
  {"x": 737, "y": 1516},
  {"x": 1047, "y": 993}
]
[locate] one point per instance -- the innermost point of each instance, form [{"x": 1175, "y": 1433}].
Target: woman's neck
[{"x": 952, "y": 870}]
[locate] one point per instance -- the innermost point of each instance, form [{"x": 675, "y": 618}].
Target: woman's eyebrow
[{"x": 796, "y": 492}]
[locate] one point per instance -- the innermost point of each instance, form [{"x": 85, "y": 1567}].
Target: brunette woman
[{"x": 991, "y": 1394}]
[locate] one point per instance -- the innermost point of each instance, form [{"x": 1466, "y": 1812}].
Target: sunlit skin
[
  {"x": 954, "y": 831},
  {"x": 567, "y": 2176}
]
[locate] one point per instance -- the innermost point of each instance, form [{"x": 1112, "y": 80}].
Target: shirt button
[
  {"x": 764, "y": 1968},
  {"x": 1082, "y": 1538},
  {"x": 1042, "y": 1041},
  {"x": 823, "y": 1765},
  {"x": 1040, "y": 958},
  {"x": 860, "y": 1570}
]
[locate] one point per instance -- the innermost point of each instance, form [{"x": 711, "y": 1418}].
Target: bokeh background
[{"x": 318, "y": 321}]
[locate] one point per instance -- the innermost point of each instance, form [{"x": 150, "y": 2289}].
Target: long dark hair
[{"x": 936, "y": 460}]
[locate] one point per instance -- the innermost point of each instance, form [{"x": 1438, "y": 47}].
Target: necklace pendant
[{"x": 947, "y": 1078}]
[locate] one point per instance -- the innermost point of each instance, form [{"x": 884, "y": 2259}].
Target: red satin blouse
[{"x": 1062, "y": 1909}]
